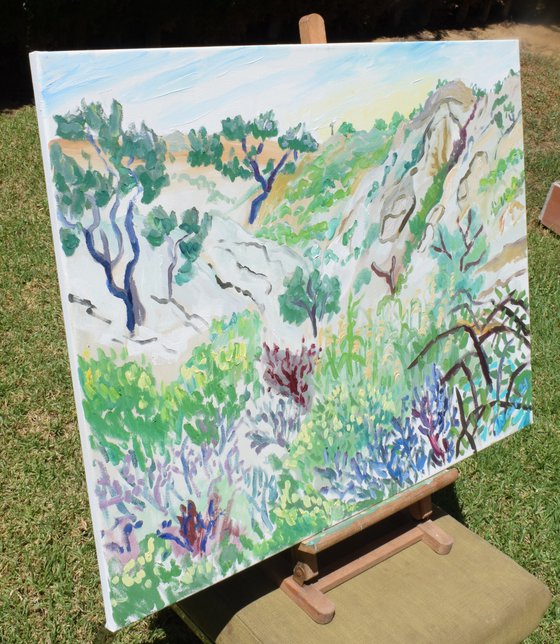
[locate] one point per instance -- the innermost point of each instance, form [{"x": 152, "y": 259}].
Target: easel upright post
[{"x": 312, "y": 29}]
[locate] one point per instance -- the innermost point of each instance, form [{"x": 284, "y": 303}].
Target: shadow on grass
[
  {"x": 165, "y": 627},
  {"x": 448, "y": 500},
  {"x": 176, "y": 631}
]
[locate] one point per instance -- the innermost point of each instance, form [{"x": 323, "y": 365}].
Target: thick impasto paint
[{"x": 294, "y": 281}]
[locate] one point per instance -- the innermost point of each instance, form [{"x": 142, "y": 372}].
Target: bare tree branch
[
  {"x": 464, "y": 426},
  {"x": 389, "y": 277},
  {"x": 475, "y": 340}
]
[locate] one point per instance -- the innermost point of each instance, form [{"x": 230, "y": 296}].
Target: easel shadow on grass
[{"x": 447, "y": 500}]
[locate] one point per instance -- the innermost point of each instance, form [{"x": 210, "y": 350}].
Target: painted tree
[
  {"x": 183, "y": 238},
  {"x": 244, "y": 158},
  {"x": 346, "y": 129},
  {"x": 312, "y": 296},
  {"x": 97, "y": 200}
]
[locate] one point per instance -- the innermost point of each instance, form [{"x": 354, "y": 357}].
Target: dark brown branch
[
  {"x": 503, "y": 328},
  {"x": 442, "y": 248},
  {"x": 468, "y": 307},
  {"x": 468, "y": 246},
  {"x": 469, "y": 375},
  {"x": 464, "y": 426},
  {"x": 389, "y": 277},
  {"x": 510, "y": 299},
  {"x": 496, "y": 403},
  {"x": 475, "y": 262},
  {"x": 511, "y": 314},
  {"x": 512, "y": 379},
  {"x": 477, "y": 345},
  {"x": 476, "y": 413},
  {"x": 457, "y": 367},
  {"x": 469, "y": 296}
]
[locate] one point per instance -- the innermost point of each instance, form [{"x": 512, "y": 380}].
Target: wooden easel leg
[
  {"x": 312, "y": 29},
  {"x": 422, "y": 509},
  {"x": 311, "y": 597},
  {"x": 433, "y": 536},
  {"x": 306, "y": 566},
  {"x": 315, "y": 603}
]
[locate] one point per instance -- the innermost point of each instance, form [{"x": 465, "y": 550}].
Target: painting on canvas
[{"x": 294, "y": 281}]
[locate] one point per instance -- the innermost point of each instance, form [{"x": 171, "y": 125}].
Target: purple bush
[
  {"x": 278, "y": 423},
  {"x": 434, "y": 418},
  {"x": 120, "y": 541},
  {"x": 195, "y": 529},
  {"x": 391, "y": 456},
  {"x": 134, "y": 487}
]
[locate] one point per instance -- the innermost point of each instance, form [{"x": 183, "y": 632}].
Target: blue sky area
[{"x": 178, "y": 89}]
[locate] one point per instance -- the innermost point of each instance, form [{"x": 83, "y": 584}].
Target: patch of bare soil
[{"x": 537, "y": 39}]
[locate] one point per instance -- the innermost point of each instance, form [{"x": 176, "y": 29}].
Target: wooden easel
[
  {"x": 300, "y": 587},
  {"x": 310, "y": 595}
]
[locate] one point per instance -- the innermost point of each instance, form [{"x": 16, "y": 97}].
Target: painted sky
[{"x": 180, "y": 89}]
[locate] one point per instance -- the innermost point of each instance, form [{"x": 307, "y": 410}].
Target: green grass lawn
[{"x": 49, "y": 585}]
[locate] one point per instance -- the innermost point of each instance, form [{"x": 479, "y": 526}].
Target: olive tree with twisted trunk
[
  {"x": 97, "y": 200},
  {"x": 244, "y": 159},
  {"x": 183, "y": 237}
]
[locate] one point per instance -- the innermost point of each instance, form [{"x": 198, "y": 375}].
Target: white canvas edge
[
  {"x": 333, "y": 45},
  {"x": 35, "y": 60}
]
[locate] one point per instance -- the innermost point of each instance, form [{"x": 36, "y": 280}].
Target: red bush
[{"x": 289, "y": 373}]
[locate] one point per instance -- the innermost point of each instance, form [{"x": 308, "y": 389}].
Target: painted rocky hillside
[{"x": 274, "y": 331}]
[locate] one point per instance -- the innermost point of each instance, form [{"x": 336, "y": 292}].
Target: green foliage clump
[
  {"x": 312, "y": 296},
  {"x": 153, "y": 580},
  {"x": 300, "y": 509},
  {"x": 382, "y": 125},
  {"x": 346, "y": 355},
  {"x": 69, "y": 241},
  {"x": 342, "y": 422},
  {"x": 325, "y": 179},
  {"x": 515, "y": 187},
  {"x": 362, "y": 279},
  {"x": 346, "y": 129},
  {"x": 417, "y": 223},
  {"x": 247, "y": 159},
  {"x": 514, "y": 157},
  {"x": 105, "y": 132},
  {"x": 283, "y": 233},
  {"x": 372, "y": 191},
  {"x": 499, "y": 101},
  {"x": 126, "y": 408},
  {"x": 221, "y": 376},
  {"x": 371, "y": 235},
  {"x": 187, "y": 235},
  {"x": 478, "y": 92}
]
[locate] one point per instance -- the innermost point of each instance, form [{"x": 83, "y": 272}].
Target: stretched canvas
[{"x": 294, "y": 282}]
